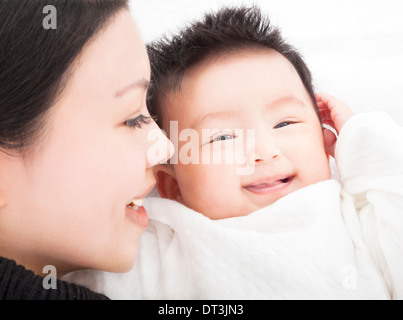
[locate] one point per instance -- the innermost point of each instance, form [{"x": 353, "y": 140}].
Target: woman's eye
[
  {"x": 138, "y": 122},
  {"x": 223, "y": 137}
]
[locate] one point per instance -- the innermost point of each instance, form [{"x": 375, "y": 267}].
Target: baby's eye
[
  {"x": 223, "y": 137},
  {"x": 284, "y": 124},
  {"x": 138, "y": 121}
]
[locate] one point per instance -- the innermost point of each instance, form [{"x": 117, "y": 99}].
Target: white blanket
[{"x": 325, "y": 241}]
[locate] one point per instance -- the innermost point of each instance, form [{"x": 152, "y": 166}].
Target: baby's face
[{"x": 253, "y": 89}]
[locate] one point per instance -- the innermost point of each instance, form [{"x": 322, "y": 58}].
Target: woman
[{"x": 73, "y": 143}]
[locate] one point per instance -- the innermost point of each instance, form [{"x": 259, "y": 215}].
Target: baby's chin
[
  {"x": 225, "y": 212},
  {"x": 251, "y": 204}
]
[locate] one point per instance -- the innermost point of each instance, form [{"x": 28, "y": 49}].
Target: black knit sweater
[{"x": 18, "y": 283}]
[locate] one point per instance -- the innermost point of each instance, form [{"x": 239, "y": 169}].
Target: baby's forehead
[
  {"x": 248, "y": 52},
  {"x": 218, "y": 83}
]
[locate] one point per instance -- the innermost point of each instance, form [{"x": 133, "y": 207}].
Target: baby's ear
[
  {"x": 167, "y": 185},
  {"x": 330, "y": 139}
]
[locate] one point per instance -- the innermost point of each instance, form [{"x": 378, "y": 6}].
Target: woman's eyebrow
[{"x": 141, "y": 83}]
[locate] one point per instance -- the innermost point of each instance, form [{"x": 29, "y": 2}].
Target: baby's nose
[
  {"x": 265, "y": 151},
  {"x": 259, "y": 159}
]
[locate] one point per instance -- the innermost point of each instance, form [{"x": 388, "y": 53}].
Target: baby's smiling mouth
[{"x": 270, "y": 185}]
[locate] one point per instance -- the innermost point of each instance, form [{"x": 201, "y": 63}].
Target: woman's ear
[{"x": 167, "y": 185}]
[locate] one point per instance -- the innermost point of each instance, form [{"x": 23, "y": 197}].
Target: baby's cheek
[
  {"x": 314, "y": 169},
  {"x": 203, "y": 188},
  {"x": 222, "y": 192}
]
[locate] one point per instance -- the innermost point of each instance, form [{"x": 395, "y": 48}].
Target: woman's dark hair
[
  {"x": 228, "y": 30},
  {"x": 35, "y": 61}
]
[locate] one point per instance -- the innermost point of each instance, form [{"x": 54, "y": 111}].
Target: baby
[{"x": 286, "y": 229}]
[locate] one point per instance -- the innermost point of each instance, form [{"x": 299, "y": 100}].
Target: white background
[{"x": 354, "y": 48}]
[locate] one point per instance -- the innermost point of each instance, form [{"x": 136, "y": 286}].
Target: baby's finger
[
  {"x": 320, "y": 105},
  {"x": 324, "y": 112},
  {"x": 339, "y": 111},
  {"x": 327, "y": 100}
]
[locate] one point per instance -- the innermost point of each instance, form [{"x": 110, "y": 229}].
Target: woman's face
[{"x": 68, "y": 205}]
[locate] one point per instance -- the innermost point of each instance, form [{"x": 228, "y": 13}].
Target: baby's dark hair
[{"x": 228, "y": 30}]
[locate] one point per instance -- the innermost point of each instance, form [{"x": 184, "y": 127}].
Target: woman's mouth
[
  {"x": 137, "y": 213},
  {"x": 270, "y": 186}
]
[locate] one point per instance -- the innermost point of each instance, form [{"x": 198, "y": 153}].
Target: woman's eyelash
[{"x": 139, "y": 121}]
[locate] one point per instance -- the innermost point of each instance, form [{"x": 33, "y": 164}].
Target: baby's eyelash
[
  {"x": 139, "y": 121},
  {"x": 284, "y": 124},
  {"x": 221, "y": 136}
]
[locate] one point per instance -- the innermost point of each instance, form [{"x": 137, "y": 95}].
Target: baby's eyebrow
[
  {"x": 223, "y": 114},
  {"x": 291, "y": 99},
  {"x": 229, "y": 114}
]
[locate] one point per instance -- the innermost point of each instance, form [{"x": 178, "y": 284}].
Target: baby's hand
[{"x": 335, "y": 114}]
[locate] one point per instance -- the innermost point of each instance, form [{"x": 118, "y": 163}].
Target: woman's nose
[{"x": 160, "y": 148}]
